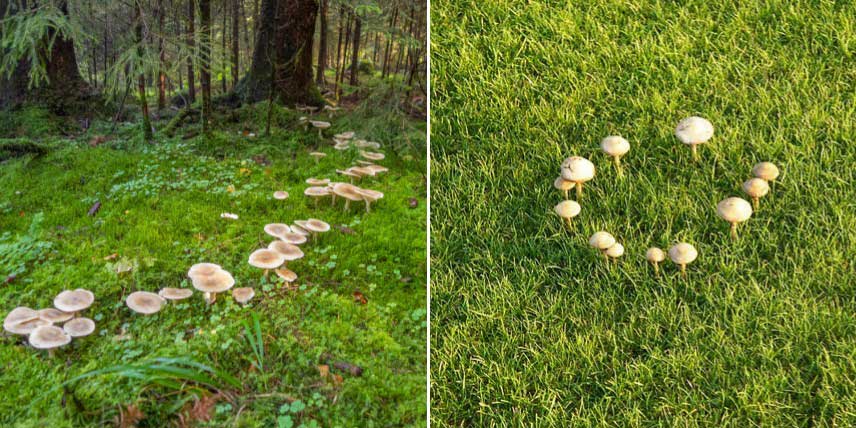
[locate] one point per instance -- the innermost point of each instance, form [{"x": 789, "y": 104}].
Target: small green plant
[
  {"x": 253, "y": 333},
  {"x": 17, "y": 252}
]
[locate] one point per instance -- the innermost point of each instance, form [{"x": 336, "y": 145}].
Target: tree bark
[
  {"x": 285, "y": 33},
  {"x": 191, "y": 43},
  {"x": 322, "y": 45},
  {"x": 205, "y": 56},
  {"x": 161, "y": 58},
  {"x": 386, "y": 53},
  {"x": 141, "y": 79},
  {"x": 236, "y": 35},
  {"x": 355, "y": 57}
]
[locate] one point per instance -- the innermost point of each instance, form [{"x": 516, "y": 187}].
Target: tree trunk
[
  {"x": 236, "y": 35},
  {"x": 341, "y": 73},
  {"x": 65, "y": 90},
  {"x": 339, "y": 44},
  {"x": 223, "y": 49},
  {"x": 322, "y": 45},
  {"x": 205, "y": 66},
  {"x": 191, "y": 29},
  {"x": 386, "y": 53},
  {"x": 162, "y": 58},
  {"x": 285, "y": 32},
  {"x": 355, "y": 57},
  {"x": 141, "y": 79}
]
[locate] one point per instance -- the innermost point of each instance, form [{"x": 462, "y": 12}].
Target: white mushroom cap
[
  {"x": 317, "y": 155},
  {"x": 317, "y": 181},
  {"x": 79, "y": 327},
  {"x": 320, "y": 124},
  {"x": 765, "y": 171},
  {"x": 277, "y": 229},
  {"x": 615, "y": 251},
  {"x": 22, "y": 320},
  {"x": 655, "y": 254},
  {"x": 288, "y": 251},
  {"x": 362, "y": 172},
  {"x": 74, "y": 300},
  {"x": 567, "y": 209},
  {"x": 143, "y": 302},
  {"x": 602, "y": 240},
  {"x": 280, "y": 195},
  {"x": 756, "y": 187},
  {"x": 376, "y": 169},
  {"x": 293, "y": 238},
  {"x": 243, "y": 294},
  {"x": 287, "y": 275},
  {"x": 347, "y": 191},
  {"x": 346, "y": 135},
  {"x": 734, "y": 210},
  {"x": 203, "y": 269},
  {"x": 694, "y": 130},
  {"x": 54, "y": 316},
  {"x": 266, "y": 259},
  {"x": 372, "y": 155},
  {"x": 370, "y": 195},
  {"x": 217, "y": 282},
  {"x": 49, "y": 337},
  {"x": 316, "y": 191},
  {"x": 683, "y": 253},
  {"x": 563, "y": 184},
  {"x": 342, "y": 145},
  {"x": 615, "y": 145},
  {"x": 349, "y": 173},
  {"x": 315, "y": 225},
  {"x": 577, "y": 169},
  {"x": 299, "y": 229},
  {"x": 170, "y": 293}
]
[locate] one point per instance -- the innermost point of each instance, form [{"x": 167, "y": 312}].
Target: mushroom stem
[
  {"x": 684, "y": 270},
  {"x": 755, "y": 202},
  {"x": 316, "y": 160},
  {"x": 656, "y": 268},
  {"x": 316, "y": 203},
  {"x": 579, "y": 186},
  {"x": 267, "y": 272},
  {"x": 210, "y": 297},
  {"x": 733, "y": 230},
  {"x": 367, "y": 206},
  {"x": 333, "y": 202},
  {"x": 618, "y": 165},
  {"x": 50, "y": 353},
  {"x": 566, "y": 193},
  {"x": 570, "y": 225},
  {"x": 695, "y": 152},
  {"x": 605, "y": 257},
  {"x": 347, "y": 204},
  {"x": 319, "y": 133}
]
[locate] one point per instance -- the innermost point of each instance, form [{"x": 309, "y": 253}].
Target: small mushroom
[
  {"x": 203, "y": 269},
  {"x": 615, "y": 251},
  {"x": 54, "y": 316},
  {"x": 293, "y": 238},
  {"x": 376, "y": 169},
  {"x": 578, "y": 170},
  {"x": 210, "y": 285},
  {"x": 143, "y": 302},
  {"x": 616, "y": 147},
  {"x": 286, "y": 274},
  {"x": 567, "y": 210},
  {"x": 317, "y": 156},
  {"x": 242, "y": 295},
  {"x": 288, "y": 251},
  {"x": 756, "y": 188},
  {"x": 563, "y": 185},
  {"x": 330, "y": 110},
  {"x": 372, "y": 155},
  {"x": 345, "y": 135},
  {"x": 683, "y": 254},
  {"x": 299, "y": 230},
  {"x": 313, "y": 226},
  {"x": 693, "y": 131},
  {"x": 277, "y": 230},
  {"x": 49, "y": 337},
  {"x": 342, "y": 145},
  {"x": 316, "y": 193},
  {"x": 347, "y": 191},
  {"x": 602, "y": 241},
  {"x": 280, "y": 195},
  {"x": 655, "y": 256},
  {"x": 734, "y": 210},
  {"x": 317, "y": 181},
  {"x": 23, "y": 320},
  {"x": 350, "y": 174},
  {"x": 370, "y": 196},
  {"x": 320, "y": 125},
  {"x": 170, "y": 293},
  {"x": 74, "y": 301},
  {"x": 266, "y": 259},
  {"x": 766, "y": 171},
  {"x": 79, "y": 327}
]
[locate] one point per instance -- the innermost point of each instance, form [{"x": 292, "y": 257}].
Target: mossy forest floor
[{"x": 360, "y": 296}]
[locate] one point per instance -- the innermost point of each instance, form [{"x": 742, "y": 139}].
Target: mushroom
[
  {"x": 54, "y": 316},
  {"x": 299, "y": 230},
  {"x": 616, "y": 147},
  {"x": 345, "y": 135},
  {"x": 578, "y": 170},
  {"x": 314, "y": 226},
  {"x": 242, "y": 295},
  {"x": 286, "y": 274},
  {"x": 563, "y": 185},
  {"x": 370, "y": 196},
  {"x": 376, "y": 169},
  {"x": 317, "y": 156},
  {"x": 615, "y": 251},
  {"x": 280, "y": 195},
  {"x": 734, "y": 210},
  {"x": 203, "y": 269},
  {"x": 317, "y": 181},
  {"x": 266, "y": 259},
  {"x": 143, "y": 302},
  {"x": 683, "y": 254},
  {"x": 320, "y": 125},
  {"x": 23, "y": 320},
  {"x": 79, "y": 327},
  {"x": 316, "y": 193},
  {"x": 350, "y": 174},
  {"x": 49, "y": 337},
  {"x": 342, "y": 145},
  {"x": 210, "y": 285},
  {"x": 693, "y": 131},
  {"x": 74, "y": 301},
  {"x": 347, "y": 191},
  {"x": 567, "y": 210},
  {"x": 288, "y": 251},
  {"x": 372, "y": 155},
  {"x": 602, "y": 241},
  {"x": 293, "y": 238},
  {"x": 330, "y": 110},
  {"x": 655, "y": 256},
  {"x": 277, "y": 230},
  {"x": 170, "y": 293},
  {"x": 766, "y": 171},
  {"x": 362, "y": 172},
  {"x": 756, "y": 188}
]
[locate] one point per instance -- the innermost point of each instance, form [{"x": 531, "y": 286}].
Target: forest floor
[
  {"x": 530, "y": 327},
  {"x": 360, "y": 296}
]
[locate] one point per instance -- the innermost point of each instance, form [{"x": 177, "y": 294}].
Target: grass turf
[
  {"x": 530, "y": 327},
  {"x": 160, "y": 213}
]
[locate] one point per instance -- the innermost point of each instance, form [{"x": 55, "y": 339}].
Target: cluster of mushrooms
[
  {"x": 320, "y": 125},
  {"x": 285, "y": 248},
  {"x": 692, "y": 131},
  {"x": 39, "y": 326}
]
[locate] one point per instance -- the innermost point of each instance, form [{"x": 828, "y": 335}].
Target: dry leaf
[
  {"x": 360, "y": 297},
  {"x": 323, "y": 370},
  {"x": 111, "y": 256}
]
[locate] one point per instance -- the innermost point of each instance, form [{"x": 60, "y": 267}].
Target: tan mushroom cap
[
  {"x": 615, "y": 145},
  {"x": 287, "y": 275},
  {"x": 376, "y": 169},
  {"x": 602, "y": 240},
  {"x": 54, "y": 316},
  {"x": 293, "y": 238},
  {"x": 280, "y": 195},
  {"x": 320, "y": 124},
  {"x": 347, "y": 191},
  {"x": 143, "y": 302},
  {"x": 217, "y": 282},
  {"x": 364, "y": 162},
  {"x": 79, "y": 327},
  {"x": 372, "y": 155},
  {"x": 567, "y": 209},
  {"x": 243, "y": 295},
  {"x": 562, "y": 184},
  {"x": 317, "y": 181},
  {"x": 694, "y": 130},
  {"x": 49, "y": 337},
  {"x": 349, "y": 173},
  {"x": 615, "y": 251},
  {"x": 345, "y": 135},
  {"x": 734, "y": 210},
  {"x": 316, "y": 191},
  {"x": 288, "y": 251},
  {"x": 22, "y": 320},
  {"x": 362, "y": 172},
  {"x": 203, "y": 269},
  {"x": 343, "y": 145},
  {"x": 577, "y": 169},
  {"x": 277, "y": 229},
  {"x": 317, "y": 155},
  {"x": 266, "y": 259},
  {"x": 756, "y": 187},
  {"x": 369, "y": 194},
  {"x": 655, "y": 255},
  {"x": 315, "y": 225},
  {"x": 74, "y": 300},
  {"x": 683, "y": 253},
  {"x": 765, "y": 171},
  {"x": 299, "y": 230},
  {"x": 170, "y": 293}
]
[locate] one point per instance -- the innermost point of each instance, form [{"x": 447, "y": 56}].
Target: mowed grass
[
  {"x": 530, "y": 327},
  {"x": 160, "y": 213}
]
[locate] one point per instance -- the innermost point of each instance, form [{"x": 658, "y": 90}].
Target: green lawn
[
  {"x": 530, "y": 327},
  {"x": 160, "y": 213}
]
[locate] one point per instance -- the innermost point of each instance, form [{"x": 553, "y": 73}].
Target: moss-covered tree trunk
[
  {"x": 285, "y": 32},
  {"x": 322, "y": 45}
]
